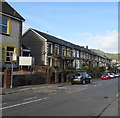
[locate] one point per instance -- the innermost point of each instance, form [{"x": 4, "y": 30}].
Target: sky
[{"x": 83, "y": 23}]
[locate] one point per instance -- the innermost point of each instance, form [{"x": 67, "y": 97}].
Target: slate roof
[
  {"x": 59, "y": 41},
  {"x": 54, "y": 39},
  {"x": 7, "y": 9}
]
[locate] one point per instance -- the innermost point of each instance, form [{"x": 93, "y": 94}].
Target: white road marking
[
  {"x": 77, "y": 90},
  {"x": 98, "y": 85},
  {"x": 23, "y": 103}
]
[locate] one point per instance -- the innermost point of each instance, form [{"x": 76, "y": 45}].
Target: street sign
[
  {"x": 25, "y": 61},
  {"x": 14, "y": 57}
]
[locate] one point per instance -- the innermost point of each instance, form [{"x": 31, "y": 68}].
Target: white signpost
[{"x": 13, "y": 61}]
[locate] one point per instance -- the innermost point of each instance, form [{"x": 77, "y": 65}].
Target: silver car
[{"x": 112, "y": 75}]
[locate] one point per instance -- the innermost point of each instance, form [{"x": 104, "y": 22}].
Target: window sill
[
  {"x": 5, "y": 34},
  {"x": 7, "y": 62}
]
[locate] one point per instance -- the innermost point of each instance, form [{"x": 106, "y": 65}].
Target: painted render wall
[{"x": 12, "y": 39}]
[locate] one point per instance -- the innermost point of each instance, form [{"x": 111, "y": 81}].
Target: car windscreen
[
  {"x": 105, "y": 74},
  {"x": 77, "y": 74},
  {"x": 84, "y": 74}
]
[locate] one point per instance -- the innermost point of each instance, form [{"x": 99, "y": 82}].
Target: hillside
[{"x": 109, "y": 55}]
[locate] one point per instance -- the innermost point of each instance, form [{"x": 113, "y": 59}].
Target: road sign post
[
  {"x": 11, "y": 86},
  {"x": 13, "y": 61}
]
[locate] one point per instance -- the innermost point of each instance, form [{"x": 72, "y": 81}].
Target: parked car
[
  {"x": 105, "y": 76},
  {"x": 117, "y": 75},
  {"x": 112, "y": 75},
  {"x": 81, "y": 77}
]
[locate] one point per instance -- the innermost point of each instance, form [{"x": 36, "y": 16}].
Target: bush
[
  {"x": 70, "y": 68},
  {"x": 32, "y": 79},
  {"x": 95, "y": 72},
  {"x": 56, "y": 67}
]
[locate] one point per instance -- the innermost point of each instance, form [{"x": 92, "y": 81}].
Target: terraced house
[
  {"x": 52, "y": 51},
  {"x": 10, "y": 33}
]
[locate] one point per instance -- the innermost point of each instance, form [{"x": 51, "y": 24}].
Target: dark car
[{"x": 81, "y": 77}]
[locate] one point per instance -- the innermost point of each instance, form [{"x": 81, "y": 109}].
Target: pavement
[
  {"x": 112, "y": 109},
  {"x": 5, "y": 91}
]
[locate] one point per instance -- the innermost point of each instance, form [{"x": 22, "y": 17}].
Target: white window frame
[
  {"x": 4, "y": 25},
  {"x": 10, "y": 54}
]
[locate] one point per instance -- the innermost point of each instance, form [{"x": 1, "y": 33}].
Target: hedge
[{"x": 32, "y": 79}]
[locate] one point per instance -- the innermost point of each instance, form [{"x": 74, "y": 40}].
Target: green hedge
[
  {"x": 95, "y": 72},
  {"x": 32, "y": 79}
]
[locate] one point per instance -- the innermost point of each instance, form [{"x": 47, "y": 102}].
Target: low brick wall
[{"x": 23, "y": 78}]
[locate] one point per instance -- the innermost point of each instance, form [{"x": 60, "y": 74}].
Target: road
[{"x": 71, "y": 100}]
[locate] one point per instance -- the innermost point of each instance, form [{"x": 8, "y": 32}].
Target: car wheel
[
  {"x": 72, "y": 83},
  {"x": 90, "y": 81},
  {"x": 83, "y": 82}
]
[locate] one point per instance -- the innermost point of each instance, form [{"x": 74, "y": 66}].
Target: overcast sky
[{"x": 84, "y": 23}]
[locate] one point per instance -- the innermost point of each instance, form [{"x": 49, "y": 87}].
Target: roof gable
[{"x": 8, "y": 10}]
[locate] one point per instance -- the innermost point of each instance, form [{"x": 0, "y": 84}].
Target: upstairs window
[
  {"x": 56, "y": 48},
  {"x": 50, "y": 48},
  {"x": 68, "y": 52},
  {"x": 74, "y": 53},
  {"x": 4, "y": 25},
  {"x": 63, "y": 51},
  {"x": 78, "y": 55}
]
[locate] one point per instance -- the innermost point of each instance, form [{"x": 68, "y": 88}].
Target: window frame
[
  {"x": 56, "y": 49},
  {"x": 69, "y": 52},
  {"x": 9, "y": 56},
  {"x": 49, "y": 48},
  {"x": 8, "y": 25},
  {"x": 63, "y": 51}
]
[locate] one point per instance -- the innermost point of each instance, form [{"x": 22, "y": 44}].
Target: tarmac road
[{"x": 97, "y": 99}]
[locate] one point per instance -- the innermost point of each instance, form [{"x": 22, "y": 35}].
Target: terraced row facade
[{"x": 52, "y": 51}]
